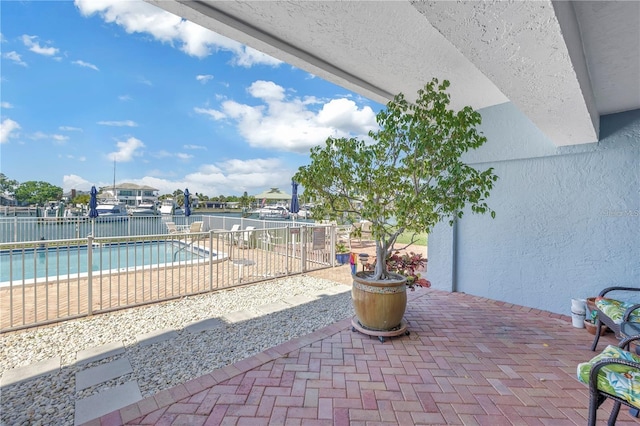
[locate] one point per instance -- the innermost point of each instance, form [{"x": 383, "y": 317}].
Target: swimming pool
[{"x": 18, "y": 266}]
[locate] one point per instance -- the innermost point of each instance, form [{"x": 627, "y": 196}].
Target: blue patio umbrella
[
  {"x": 93, "y": 209},
  {"x": 295, "y": 204},
  {"x": 187, "y": 207},
  {"x": 93, "y": 203}
]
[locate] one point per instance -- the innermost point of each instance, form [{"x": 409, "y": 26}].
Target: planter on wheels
[{"x": 379, "y": 305}]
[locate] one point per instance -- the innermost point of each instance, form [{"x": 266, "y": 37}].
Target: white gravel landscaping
[{"x": 50, "y": 399}]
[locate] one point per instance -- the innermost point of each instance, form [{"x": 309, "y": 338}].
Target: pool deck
[{"x": 468, "y": 361}]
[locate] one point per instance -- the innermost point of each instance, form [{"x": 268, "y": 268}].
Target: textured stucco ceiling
[{"x": 563, "y": 64}]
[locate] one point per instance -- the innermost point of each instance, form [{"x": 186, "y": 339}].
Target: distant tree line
[
  {"x": 39, "y": 192},
  {"x": 30, "y": 192}
]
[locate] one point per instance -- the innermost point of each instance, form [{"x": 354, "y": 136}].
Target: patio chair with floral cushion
[
  {"x": 613, "y": 374},
  {"x": 613, "y": 312}
]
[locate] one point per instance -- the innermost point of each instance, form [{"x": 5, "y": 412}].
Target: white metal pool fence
[
  {"x": 46, "y": 281},
  {"x": 22, "y": 229}
]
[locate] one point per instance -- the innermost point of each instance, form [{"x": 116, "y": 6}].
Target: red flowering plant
[{"x": 409, "y": 265}]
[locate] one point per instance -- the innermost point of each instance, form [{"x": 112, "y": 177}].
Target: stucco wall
[{"x": 568, "y": 218}]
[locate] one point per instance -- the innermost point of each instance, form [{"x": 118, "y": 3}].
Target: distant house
[
  {"x": 194, "y": 200},
  {"x": 68, "y": 196},
  {"x": 7, "y": 200},
  {"x": 214, "y": 204},
  {"x": 130, "y": 193}
]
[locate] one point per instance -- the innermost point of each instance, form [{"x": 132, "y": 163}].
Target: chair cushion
[
  {"x": 615, "y": 309},
  {"x": 615, "y": 379}
]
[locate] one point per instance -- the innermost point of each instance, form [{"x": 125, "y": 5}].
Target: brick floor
[{"x": 468, "y": 361}]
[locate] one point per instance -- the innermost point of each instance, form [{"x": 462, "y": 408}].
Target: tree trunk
[{"x": 381, "y": 271}]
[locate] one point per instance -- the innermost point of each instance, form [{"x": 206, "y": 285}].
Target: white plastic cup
[
  {"x": 578, "y": 305},
  {"x": 577, "y": 319}
]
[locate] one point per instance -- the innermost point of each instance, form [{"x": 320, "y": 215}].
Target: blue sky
[{"x": 177, "y": 106}]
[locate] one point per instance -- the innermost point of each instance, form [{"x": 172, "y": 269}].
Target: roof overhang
[{"x": 531, "y": 53}]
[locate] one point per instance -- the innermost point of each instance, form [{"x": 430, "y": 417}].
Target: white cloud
[
  {"x": 204, "y": 78},
  {"x": 162, "y": 154},
  {"x": 15, "y": 57},
  {"x": 250, "y": 56},
  {"x": 344, "y": 114},
  {"x": 145, "y": 81},
  {"x": 69, "y": 129},
  {"x": 194, "y": 147},
  {"x": 215, "y": 114},
  {"x": 70, "y": 182},
  {"x": 126, "y": 150},
  {"x": 231, "y": 177},
  {"x": 85, "y": 64},
  {"x": 228, "y": 177},
  {"x": 194, "y": 40},
  {"x": 125, "y": 123},
  {"x": 235, "y": 176},
  {"x": 166, "y": 154},
  {"x": 124, "y": 98},
  {"x": 8, "y": 129},
  {"x": 266, "y": 90},
  {"x": 38, "y": 135},
  {"x": 32, "y": 43},
  {"x": 6, "y": 105},
  {"x": 60, "y": 138},
  {"x": 287, "y": 123}
]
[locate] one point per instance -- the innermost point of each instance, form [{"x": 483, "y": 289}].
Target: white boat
[
  {"x": 144, "y": 209},
  {"x": 170, "y": 208},
  {"x": 305, "y": 211},
  {"x": 273, "y": 212},
  {"x": 111, "y": 210}
]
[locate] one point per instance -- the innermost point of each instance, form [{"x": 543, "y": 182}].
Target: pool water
[{"x": 18, "y": 265}]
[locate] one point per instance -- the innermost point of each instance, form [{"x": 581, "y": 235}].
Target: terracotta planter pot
[
  {"x": 379, "y": 305},
  {"x": 591, "y": 328}
]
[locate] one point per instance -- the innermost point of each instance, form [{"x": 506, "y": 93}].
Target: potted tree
[
  {"x": 409, "y": 177},
  {"x": 342, "y": 253}
]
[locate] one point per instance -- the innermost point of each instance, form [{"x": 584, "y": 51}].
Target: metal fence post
[
  {"x": 303, "y": 248},
  {"x": 333, "y": 229},
  {"x": 90, "y": 274},
  {"x": 211, "y": 259},
  {"x": 286, "y": 248}
]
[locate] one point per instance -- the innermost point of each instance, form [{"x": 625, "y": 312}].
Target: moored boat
[
  {"x": 273, "y": 212},
  {"x": 170, "y": 208},
  {"x": 144, "y": 209},
  {"x": 111, "y": 210}
]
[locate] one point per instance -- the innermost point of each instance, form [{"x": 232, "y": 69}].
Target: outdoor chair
[
  {"x": 172, "y": 228},
  {"x": 613, "y": 312},
  {"x": 195, "y": 227},
  {"x": 232, "y": 236},
  {"x": 613, "y": 374},
  {"x": 246, "y": 237}
]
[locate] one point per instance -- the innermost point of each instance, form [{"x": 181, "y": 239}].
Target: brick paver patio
[{"x": 468, "y": 360}]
